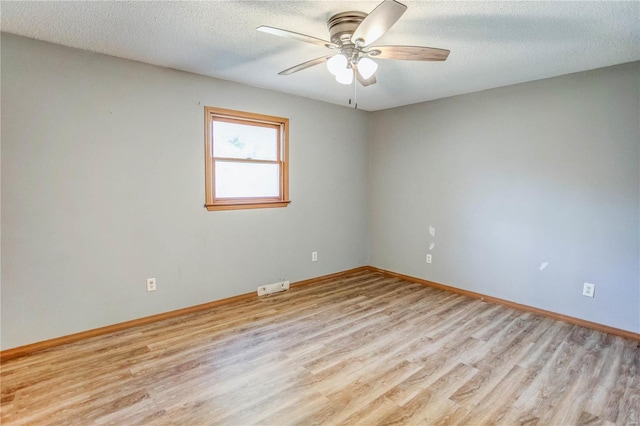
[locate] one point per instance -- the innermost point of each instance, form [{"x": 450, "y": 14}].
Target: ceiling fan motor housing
[{"x": 343, "y": 25}]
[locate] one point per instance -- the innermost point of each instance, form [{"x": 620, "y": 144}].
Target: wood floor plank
[
  {"x": 369, "y": 413},
  {"x": 359, "y": 349},
  {"x": 353, "y": 398},
  {"x": 495, "y": 405}
]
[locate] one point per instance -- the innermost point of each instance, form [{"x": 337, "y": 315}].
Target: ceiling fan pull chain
[{"x": 355, "y": 92}]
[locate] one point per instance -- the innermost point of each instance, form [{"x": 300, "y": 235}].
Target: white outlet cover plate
[
  {"x": 588, "y": 289},
  {"x": 151, "y": 284}
]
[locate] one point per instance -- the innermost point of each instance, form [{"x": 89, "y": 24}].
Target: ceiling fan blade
[
  {"x": 296, "y": 36},
  {"x": 304, "y": 65},
  {"x": 378, "y": 22},
  {"x": 408, "y": 53},
  {"x": 364, "y": 81}
]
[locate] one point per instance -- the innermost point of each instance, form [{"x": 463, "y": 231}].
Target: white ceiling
[{"x": 492, "y": 43}]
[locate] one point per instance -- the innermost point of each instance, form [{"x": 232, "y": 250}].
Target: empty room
[{"x": 320, "y": 212}]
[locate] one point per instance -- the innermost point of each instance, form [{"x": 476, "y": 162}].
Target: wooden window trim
[{"x": 242, "y": 117}]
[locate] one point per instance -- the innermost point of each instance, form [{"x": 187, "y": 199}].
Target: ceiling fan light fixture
[
  {"x": 337, "y": 64},
  {"x": 345, "y": 76},
  {"x": 367, "y": 68}
]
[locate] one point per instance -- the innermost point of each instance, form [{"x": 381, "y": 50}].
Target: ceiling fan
[{"x": 351, "y": 35}]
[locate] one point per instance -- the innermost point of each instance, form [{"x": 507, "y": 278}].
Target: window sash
[
  {"x": 276, "y": 141},
  {"x": 221, "y": 182}
]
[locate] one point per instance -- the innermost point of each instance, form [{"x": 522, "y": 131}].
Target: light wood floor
[{"x": 363, "y": 350}]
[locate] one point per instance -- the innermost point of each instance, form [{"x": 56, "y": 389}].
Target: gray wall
[
  {"x": 510, "y": 178},
  {"x": 103, "y": 187}
]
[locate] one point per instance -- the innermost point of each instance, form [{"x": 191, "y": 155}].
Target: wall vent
[{"x": 273, "y": 288}]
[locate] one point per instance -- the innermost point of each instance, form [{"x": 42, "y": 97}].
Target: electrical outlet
[
  {"x": 428, "y": 258},
  {"x": 314, "y": 256},
  {"x": 151, "y": 284},
  {"x": 588, "y": 289}
]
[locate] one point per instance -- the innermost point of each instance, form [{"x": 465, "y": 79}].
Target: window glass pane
[
  {"x": 234, "y": 140},
  {"x": 247, "y": 180}
]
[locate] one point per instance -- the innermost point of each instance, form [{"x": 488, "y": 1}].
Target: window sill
[{"x": 243, "y": 206}]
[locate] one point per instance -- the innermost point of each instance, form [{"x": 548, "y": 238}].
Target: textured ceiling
[{"x": 492, "y": 43}]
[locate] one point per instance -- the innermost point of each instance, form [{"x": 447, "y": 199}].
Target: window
[{"x": 246, "y": 164}]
